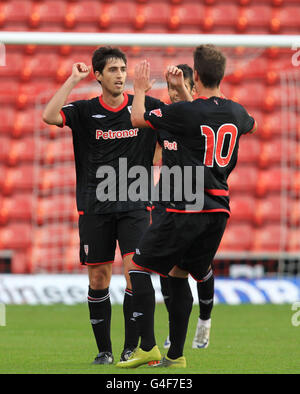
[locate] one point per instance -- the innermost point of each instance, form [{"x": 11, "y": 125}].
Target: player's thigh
[
  {"x": 97, "y": 239},
  {"x": 201, "y": 252}
]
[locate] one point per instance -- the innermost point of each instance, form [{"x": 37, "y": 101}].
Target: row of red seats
[
  {"x": 242, "y": 237},
  {"x": 62, "y": 209},
  {"x": 138, "y": 16},
  {"x": 252, "y": 150},
  {"x": 245, "y": 178}
]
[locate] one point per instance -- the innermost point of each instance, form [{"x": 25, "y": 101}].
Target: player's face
[
  {"x": 173, "y": 93},
  {"x": 113, "y": 76}
]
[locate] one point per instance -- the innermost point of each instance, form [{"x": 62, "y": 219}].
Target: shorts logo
[
  {"x": 156, "y": 112},
  {"x": 170, "y": 145},
  {"x": 86, "y": 249}
]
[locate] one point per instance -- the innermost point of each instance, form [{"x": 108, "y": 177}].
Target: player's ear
[
  {"x": 98, "y": 75},
  {"x": 196, "y": 76}
]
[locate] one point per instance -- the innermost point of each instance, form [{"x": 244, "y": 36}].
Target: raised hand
[{"x": 141, "y": 79}]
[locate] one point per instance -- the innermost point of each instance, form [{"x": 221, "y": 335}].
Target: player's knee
[{"x": 99, "y": 277}]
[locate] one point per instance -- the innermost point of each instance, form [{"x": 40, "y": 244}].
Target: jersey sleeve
[
  {"x": 153, "y": 103},
  {"x": 247, "y": 122},
  {"x": 73, "y": 114},
  {"x": 171, "y": 118}
]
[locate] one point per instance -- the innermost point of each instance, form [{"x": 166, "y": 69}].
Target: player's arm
[
  {"x": 51, "y": 114},
  {"x": 175, "y": 79},
  {"x": 141, "y": 85}
]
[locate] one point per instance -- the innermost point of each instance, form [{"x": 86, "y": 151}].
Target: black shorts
[
  {"x": 99, "y": 235},
  {"x": 188, "y": 240}
]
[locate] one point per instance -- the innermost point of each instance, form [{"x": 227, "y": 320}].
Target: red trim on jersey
[
  {"x": 148, "y": 269},
  {"x": 63, "y": 117},
  {"x": 203, "y": 211},
  {"x": 121, "y": 106},
  {"x": 80, "y": 212},
  {"x": 217, "y": 192},
  {"x": 150, "y": 124}
]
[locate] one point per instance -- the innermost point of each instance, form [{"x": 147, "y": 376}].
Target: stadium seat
[
  {"x": 249, "y": 149},
  {"x": 5, "y": 144},
  {"x": 13, "y": 65},
  {"x": 39, "y": 91},
  {"x": 249, "y": 94},
  {"x": 57, "y": 208},
  {"x": 20, "y": 261},
  {"x": 45, "y": 258},
  {"x": 268, "y": 238},
  {"x": 296, "y": 183},
  {"x": 20, "y": 178},
  {"x": 151, "y": 14},
  {"x": 17, "y": 207},
  {"x": 273, "y": 180},
  {"x": 47, "y": 11},
  {"x": 294, "y": 211},
  {"x": 41, "y": 65},
  {"x": 293, "y": 240},
  {"x": 254, "y": 16},
  {"x": 271, "y": 152},
  {"x": 87, "y": 12},
  {"x": 53, "y": 234},
  {"x": 186, "y": 15},
  {"x": 243, "y": 179},
  {"x": 242, "y": 208},
  {"x": 214, "y": 16},
  {"x": 9, "y": 88},
  {"x": 237, "y": 237},
  {"x": 15, "y": 11},
  {"x": 58, "y": 178},
  {"x": 57, "y": 151},
  {"x": 285, "y": 19},
  {"x": 118, "y": 13},
  {"x": 15, "y": 236},
  {"x": 7, "y": 115},
  {"x": 22, "y": 150},
  {"x": 26, "y": 122},
  {"x": 271, "y": 126},
  {"x": 269, "y": 209}
]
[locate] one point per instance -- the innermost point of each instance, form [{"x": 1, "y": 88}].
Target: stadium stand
[{"x": 37, "y": 170}]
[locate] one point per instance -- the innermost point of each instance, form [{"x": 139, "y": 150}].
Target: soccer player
[
  {"x": 183, "y": 239},
  {"x": 205, "y": 289},
  {"x": 104, "y": 142}
]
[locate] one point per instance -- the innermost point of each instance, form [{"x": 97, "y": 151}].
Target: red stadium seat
[
  {"x": 293, "y": 240},
  {"x": 8, "y": 91},
  {"x": 273, "y": 180},
  {"x": 19, "y": 178},
  {"x": 7, "y": 115},
  {"x": 249, "y": 149},
  {"x": 249, "y": 94},
  {"x": 151, "y": 14},
  {"x": 58, "y": 151},
  {"x": 186, "y": 15},
  {"x": 86, "y": 12},
  {"x": 286, "y": 18},
  {"x": 13, "y": 65},
  {"x": 57, "y": 208},
  {"x": 16, "y": 207},
  {"x": 15, "y": 11},
  {"x": 237, "y": 237},
  {"x": 296, "y": 183},
  {"x": 5, "y": 144},
  {"x": 48, "y": 11},
  {"x": 242, "y": 208},
  {"x": 26, "y": 122},
  {"x": 294, "y": 211},
  {"x": 271, "y": 125},
  {"x": 271, "y": 152},
  {"x": 55, "y": 235},
  {"x": 269, "y": 238},
  {"x": 243, "y": 179},
  {"x": 118, "y": 13},
  {"x": 41, "y": 65},
  {"x": 254, "y": 16},
  {"x": 214, "y": 16},
  {"x": 22, "y": 150},
  {"x": 39, "y": 91},
  {"x": 268, "y": 209},
  {"x": 57, "y": 178},
  {"x": 16, "y": 236}
]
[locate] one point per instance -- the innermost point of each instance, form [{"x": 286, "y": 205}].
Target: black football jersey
[
  {"x": 106, "y": 144},
  {"x": 206, "y": 133}
]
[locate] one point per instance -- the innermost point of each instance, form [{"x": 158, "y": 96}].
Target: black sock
[
  {"x": 164, "y": 284},
  {"x": 143, "y": 306},
  {"x": 181, "y": 302},
  {"x": 206, "y": 296},
  {"x": 131, "y": 332},
  {"x": 100, "y": 317}
]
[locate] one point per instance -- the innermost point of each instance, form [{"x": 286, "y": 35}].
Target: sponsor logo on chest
[{"x": 112, "y": 135}]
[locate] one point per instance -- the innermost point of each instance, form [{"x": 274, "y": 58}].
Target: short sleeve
[
  {"x": 171, "y": 118},
  {"x": 73, "y": 114},
  {"x": 247, "y": 122}
]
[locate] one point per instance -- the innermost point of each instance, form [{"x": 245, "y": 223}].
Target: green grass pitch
[{"x": 57, "y": 339}]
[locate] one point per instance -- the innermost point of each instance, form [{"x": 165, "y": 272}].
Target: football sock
[
  {"x": 181, "y": 302},
  {"x": 164, "y": 284},
  {"x": 100, "y": 317},
  {"x": 206, "y": 296},
  {"x": 131, "y": 332},
  {"x": 143, "y": 307}
]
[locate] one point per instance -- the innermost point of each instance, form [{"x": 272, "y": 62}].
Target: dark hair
[
  {"x": 187, "y": 73},
  {"x": 210, "y": 64},
  {"x": 103, "y": 54}
]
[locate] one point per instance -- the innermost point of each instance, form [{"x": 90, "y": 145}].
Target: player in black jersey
[
  {"x": 184, "y": 237},
  {"x": 106, "y": 147},
  {"x": 205, "y": 289}
]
